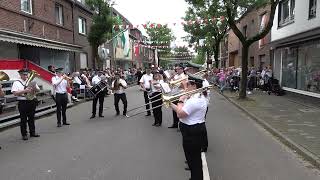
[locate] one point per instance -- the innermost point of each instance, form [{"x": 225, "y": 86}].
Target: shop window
[
  {"x": 26, "y": 6},
  {"x": 308, "y": 75},
  {"x": 82, "y": 25},
  {"x": 312, "y": 8},
  {"x": 286, "y": 12},
  {"x": 289, "y": 67},
  {"x": 59, "y": 14},
  {"x": 83, "y": 60}
]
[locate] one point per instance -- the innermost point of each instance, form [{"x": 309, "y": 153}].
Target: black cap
[
  {"x": 59, "y": 69},
  {"x": 24, "y": 71},
  {"x": 196, "y": 79}
]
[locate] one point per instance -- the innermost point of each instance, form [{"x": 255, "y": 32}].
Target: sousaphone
[{"x": 4, "y": 76}]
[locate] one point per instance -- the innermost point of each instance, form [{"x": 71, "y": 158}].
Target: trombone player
[
  {"x": 191, "y": 111},
  {"x": 179, "y": 76},
  {"x": 60, "y": 85},
  {"x": 27, "y": 102}
]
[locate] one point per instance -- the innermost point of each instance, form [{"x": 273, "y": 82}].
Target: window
[
  {"x": 82, "y": 25},
  {"x": 83, "y": 60},
  {"x": 26, "y": 6},
  {"x": 251, "y": 62},
  {"x": 59, "y": 14},
  {"x": 286, "y": 12},
  {"x": 312, "y": 8}
]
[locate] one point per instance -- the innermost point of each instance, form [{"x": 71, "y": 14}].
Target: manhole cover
[{"x": 309, "y": 110}]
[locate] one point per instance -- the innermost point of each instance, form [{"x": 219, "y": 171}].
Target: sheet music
[{"x": 165, "y": 88}]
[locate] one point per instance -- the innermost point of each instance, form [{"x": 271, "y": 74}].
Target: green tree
[
  {"x": 160, "y": 35},
  {"x": 101, "y": 29},
  {"x": 200, "y": 58},
  {"x": 212, "y": 26},
  {"x": 236, "y": 8}
]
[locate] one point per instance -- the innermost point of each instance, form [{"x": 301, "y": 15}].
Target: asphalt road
[{"x": 119, "y": 148}]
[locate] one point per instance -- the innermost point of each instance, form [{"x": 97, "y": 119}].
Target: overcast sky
[{"x": 158, "y": 11}]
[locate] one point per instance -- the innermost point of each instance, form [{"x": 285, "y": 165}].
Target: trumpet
[
  {"x": 65, "y": 77},
  {"x": 168, "y": 99}
]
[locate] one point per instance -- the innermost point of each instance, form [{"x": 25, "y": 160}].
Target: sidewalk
[{"x": 295, "y": 122}]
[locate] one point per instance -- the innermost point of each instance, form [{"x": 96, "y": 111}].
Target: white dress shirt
[
  {"x": 195, "y": 107},
  {"x": 177, "y": 77},
  {"x": 60, "y": 88},
  {"x": 18, "y": 86},
  {"x": 95, "y": 80},
  {"x": 156, "y": 86},
  {"x": 121, "y": 89},
  {"x": 145, "y": 79},
  {"x": 205, "y": 83},
  {"x": 76, "y": 80}
]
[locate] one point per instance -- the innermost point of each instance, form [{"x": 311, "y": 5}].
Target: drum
[{"x": 96, "y": 89}]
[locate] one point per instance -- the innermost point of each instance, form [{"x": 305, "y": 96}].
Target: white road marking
[{"x": 205, "y": 169}]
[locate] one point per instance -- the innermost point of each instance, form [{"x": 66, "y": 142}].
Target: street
[{"x": 119, "y": 148}]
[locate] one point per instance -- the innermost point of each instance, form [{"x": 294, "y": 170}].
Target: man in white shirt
[
  {"x": 191, "y": 111},
  {"x": 60, "y": 85},
  {"x": 118, "y": 86},
  {"x": 26, "y": 106},
  {"x": 100, "y": 96},
  {"x": 146, "y": 88}
]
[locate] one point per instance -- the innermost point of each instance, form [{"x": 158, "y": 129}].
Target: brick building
[
  {"x": 45, "y": 32},
  {"x": 250, "y": 24}
]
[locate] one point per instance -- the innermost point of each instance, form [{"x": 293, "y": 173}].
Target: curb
[{"x": 307, "y": 155}]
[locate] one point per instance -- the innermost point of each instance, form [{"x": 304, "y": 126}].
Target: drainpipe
[{"x": 73, "y": 36}]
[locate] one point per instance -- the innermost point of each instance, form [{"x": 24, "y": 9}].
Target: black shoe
[
  {"x": 186, "y": 161},
  {"x": 101, "y": 116},
  {"x": 92, "y": 117},
  {"x": 59, "y": 125},
  {"x": 173, "y": 127},
  {"x": 117, "y": 114},
  {"x": 34, "y": 135},
  {"x": 67, "y": 124},
  {"x": 154, "y": 124},
  {"x": 158, "y": 125},
  {"x": 25, "y": 137},
  {"x": 148, "y": 115},
  {"x": 187, "y": 168}
]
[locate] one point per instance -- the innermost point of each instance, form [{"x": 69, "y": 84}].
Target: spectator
[{"x": 51, "y": 69}]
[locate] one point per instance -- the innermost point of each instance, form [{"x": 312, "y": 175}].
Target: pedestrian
[
  {"x": 191, "y": 111},
  {"x": 27, "y": 102},
  {"x": 145, "y": 86},
  {"x": 60, "y": 85},
  {"x": 118, "y": 87}
]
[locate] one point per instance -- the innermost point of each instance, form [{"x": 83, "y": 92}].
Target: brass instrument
[
  {"x": 167, "y": 99},
  {"x": 30, "y": 83},
  {"x": 4, "y": 76}
]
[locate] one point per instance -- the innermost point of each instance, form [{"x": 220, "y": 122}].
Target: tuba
[
  {"x": 32, "y": 84},
  {"x": 4, "y": 76}
]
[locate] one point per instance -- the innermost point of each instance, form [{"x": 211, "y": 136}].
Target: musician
[
  {"x": 100, "y": 96},
  {"x": 118, "y": 86},
  {"x": 60, "y": 85},
  {"x": 191, "y": 111},
  {"x": 26, "y": 106},
  {"x": 206, "y": 94},
  {"x": 146, "y": 87},
  {"x": 156, "y": 98},
  {"x": 180, "y": 75}
]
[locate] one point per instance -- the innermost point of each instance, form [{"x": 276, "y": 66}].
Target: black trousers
[
  {"x": 192, "y": 138},
  {"x": 61, "y": 102},
  {"x": 157, "y": 112},
  {"x": 146, "y": 101},
  {"x": 175, "y": 117},
  {"x": 123, "y": 98},
  {"x": 100, "y": 97},
  {"x": 27, "y": 109},
  {"x": 74, "y": 89}
]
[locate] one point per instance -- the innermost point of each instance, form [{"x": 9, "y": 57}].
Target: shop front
[{"x": 297, "y": 66}]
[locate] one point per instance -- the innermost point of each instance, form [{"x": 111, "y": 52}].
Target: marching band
[{"x": 189, "y": 102}]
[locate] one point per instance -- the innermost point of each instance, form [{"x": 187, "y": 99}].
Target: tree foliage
[
  {"x": 160, "y": 36},
  {"x": 101, "y": 29},
  {"x": 212, "y": 31}
]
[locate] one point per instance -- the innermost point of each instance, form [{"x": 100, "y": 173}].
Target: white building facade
[{"x": 295, "y": 43}]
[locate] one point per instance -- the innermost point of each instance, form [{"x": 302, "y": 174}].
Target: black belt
[{"x": 61, "y": 93}]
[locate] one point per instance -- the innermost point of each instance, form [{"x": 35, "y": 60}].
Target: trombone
[{"x": 167, "y": 99}]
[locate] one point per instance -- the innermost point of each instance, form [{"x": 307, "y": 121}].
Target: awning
[{"x": 21, "y": 38}]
